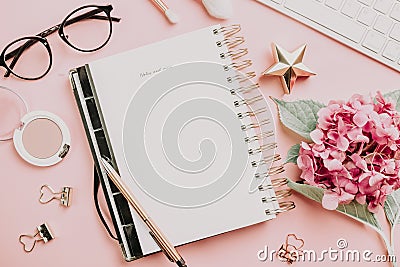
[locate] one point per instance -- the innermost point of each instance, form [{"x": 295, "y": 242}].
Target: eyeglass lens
[
  {"x": 86, "y": 29},
  {"x": 90, "y": 33},
  {"x": 32, "y": 61}
]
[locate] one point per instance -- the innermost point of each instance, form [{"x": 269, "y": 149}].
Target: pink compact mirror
[
  {"x": 40, "y": 137},
  {"x": 43, "y": 139}
]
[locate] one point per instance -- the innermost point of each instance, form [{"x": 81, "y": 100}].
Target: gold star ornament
[{"x": 288, "y": 66}]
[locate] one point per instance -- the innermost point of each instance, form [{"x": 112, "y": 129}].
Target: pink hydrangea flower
[{"x": 355, "y": 154}]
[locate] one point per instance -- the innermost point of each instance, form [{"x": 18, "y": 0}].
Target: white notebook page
[{"x": 183, "y": 217}]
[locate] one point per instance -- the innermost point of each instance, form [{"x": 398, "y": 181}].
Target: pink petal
[
  {"x": 379, "y": 97},
  {"x": 361, "y": 138},
  {"x": 363, "y": 176},
  {"x": 357, "y": 135},
  {"x": 306, "y": 164},
  {"x": 372, "y": 207},
  {"x": 385, "y": 119},
  {"x": 333, "y": 165},
  {"x": 317, "y": 136},
  {"x": 339, "y": 155},
  {"x": 308, "y": 176},
  {"x": 355, "y": 102},
  {"x": 360, "y": 119},
  {"x": 305, "y": 146},
  {"x": 390, "y": 166},
  {"x": 360, "y": 198},
  {"x": 393, "y": 133},
  {"x": 386, "y": 190},
  {"x": 333, "y": 135},
  {"x": 325, "y": 154},
  {"x": 342, "y": 143},
  {"x": 375, "y": 178},
  {"x": 342, "y": 129},
  {"x": 324, "y": 118},
  {"x": 366, "y": 109},
  {"x": 303, "y": 162},
  {"x": 330, "y": 200},
  {"x": 345, "y": 197},
  {"x": 359, "y": 162},
  {"x": 381, "y": 131},
  {"x": 353, "y": 133},
  {"x": 351, "y": 188}
]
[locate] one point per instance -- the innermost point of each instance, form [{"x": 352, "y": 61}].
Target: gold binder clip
[
  {"x": 44, "y": 233},
  {"x": 64, "y": 196}
]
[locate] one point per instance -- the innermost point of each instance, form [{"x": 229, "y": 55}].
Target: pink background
[{"x": 81, "y": 240}]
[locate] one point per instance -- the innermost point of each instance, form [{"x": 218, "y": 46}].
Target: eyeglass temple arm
[{"x": 17, "y": 52}]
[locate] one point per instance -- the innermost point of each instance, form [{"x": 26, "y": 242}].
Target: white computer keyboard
[{"x": 369, "y": 26}]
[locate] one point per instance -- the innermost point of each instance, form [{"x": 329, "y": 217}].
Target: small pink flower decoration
[{"x": 356, "y": 152}]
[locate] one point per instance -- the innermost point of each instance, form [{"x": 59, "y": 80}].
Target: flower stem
[{"x": 389, "y": 247}]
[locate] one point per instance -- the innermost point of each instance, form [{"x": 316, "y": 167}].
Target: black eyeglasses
[{"x": 93, "y": 33}]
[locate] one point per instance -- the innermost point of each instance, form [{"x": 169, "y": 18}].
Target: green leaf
[
  {"x": 393, "y": 97},
  {"x": 299, "y": 116},
  {"x": 392, "y": 207},
  {"x": 392, "y": 211},
  {"x": 293, "y": 154},
  {"x": 354, "y": 210}
]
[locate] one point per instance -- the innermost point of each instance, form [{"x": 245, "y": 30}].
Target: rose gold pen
[{"x": 168, "y": 249}]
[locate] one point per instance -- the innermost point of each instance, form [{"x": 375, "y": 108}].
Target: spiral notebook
[{"x": 188, "y": 131}]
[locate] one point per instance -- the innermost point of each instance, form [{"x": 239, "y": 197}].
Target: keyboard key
[
  {"x": 392, "y": 51},
  {"x": 396, "y": 12},
  {"x": 335, "y": 4},
  {"x": 334, "y": 18},
  {"x": 366, "y": 2},
  {"x": 351, "y": 8},
  {"x": 374, "y": 41},
  {"x": 395, "y": 33},
  {"x": 366, "y": 16},
  {"x": 382, "y": 24},
  {"x": 327, "y": 18},
  {"x": 383, "y": 6}
]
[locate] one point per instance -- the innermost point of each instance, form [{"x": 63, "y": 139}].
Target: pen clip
[{"x": 161, "y": 247}]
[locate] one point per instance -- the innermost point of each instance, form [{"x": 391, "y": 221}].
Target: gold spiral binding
[
  {"x": 258, "y": 137},
  {"x": 232, "y": 42},
  {"x": 280, "y": 194},
  {"x": 274, "y": 170},
  {"x": 242, "y": 78},
  {"x": 229, "y": 30},
  {"x": 251, "y": 113},
  {"x": 277, "y": 182},
  {"x": 245, "y": 89},
  {"x": 234, "y": 54},
  {"x": 263, "y": 147},
  {"x": 255, "y": 125},
  {"x": 283, "y": 207},
  {"x": 239, "y": 65},
  {"x": 248, "y": 101},
  {"x": 266, "y": 160}
]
